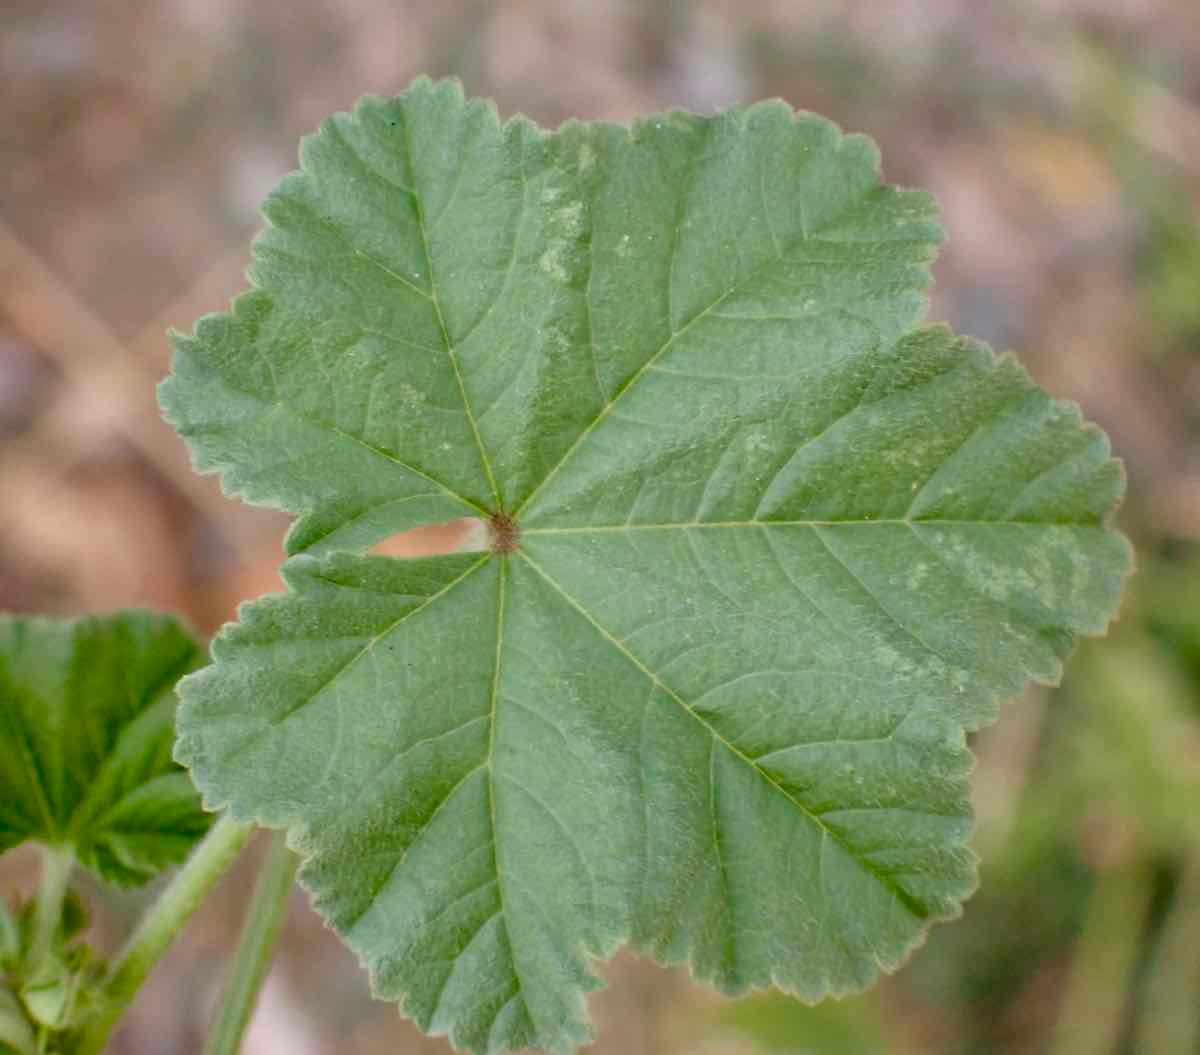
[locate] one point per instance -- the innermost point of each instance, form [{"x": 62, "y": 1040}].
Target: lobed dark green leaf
[{"x": 87, "y": 725}]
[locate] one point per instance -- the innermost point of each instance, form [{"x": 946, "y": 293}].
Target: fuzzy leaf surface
[
  {"x": 779, "y": 548},
  {"x": 87, "y": 725}
]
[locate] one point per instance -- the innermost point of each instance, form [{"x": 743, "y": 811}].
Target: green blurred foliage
[{"x": 782, "y": 1026}]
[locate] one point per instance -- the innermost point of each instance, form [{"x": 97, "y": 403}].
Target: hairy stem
[
  {"x": 161, "y": 925},
  {"x": 260, "y": 931},
  {"x": 57, "y": 862}
]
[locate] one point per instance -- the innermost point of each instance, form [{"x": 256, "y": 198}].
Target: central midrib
[
  {"x": 441, "y": 319},
  {"x": 611, "y": 529},
  {"x": 494, "y": 698}
]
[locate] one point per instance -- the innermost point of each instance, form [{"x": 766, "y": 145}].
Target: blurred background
[{"x": 137, "y": 138}]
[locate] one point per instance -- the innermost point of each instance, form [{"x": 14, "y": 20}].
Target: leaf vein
[
  {"x": 907, "y": 630},
  {"x": 909, "y": 902},
  {"x": 437, "y": 309}
]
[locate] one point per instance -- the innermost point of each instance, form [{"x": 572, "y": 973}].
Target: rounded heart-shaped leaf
[{"x": 760, "y": 553}]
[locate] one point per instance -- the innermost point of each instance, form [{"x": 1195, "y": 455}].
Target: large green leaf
[
  {"x": 760, "y": 553},
  {"x": 87, "y": 723}
]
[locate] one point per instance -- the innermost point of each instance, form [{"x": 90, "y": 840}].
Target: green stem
[
  {"x": 57, "y": 862},
  {"x": 161, "y": 925},
  {"x": 1170, "y": 1016},
  {"x": 1097, "y": 990},
  {"x": 264, "y": 920}
]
